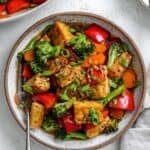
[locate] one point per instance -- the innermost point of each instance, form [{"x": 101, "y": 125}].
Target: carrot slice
[
  {"x": 129, "y": 78},
  {"x": 117, "y": 113},
  {"x": 29, "y": 56}
]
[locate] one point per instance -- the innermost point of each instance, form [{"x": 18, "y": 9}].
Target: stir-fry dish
[
  {"x": 80, "y": 80},
  {"x": 8, "y": 7}
]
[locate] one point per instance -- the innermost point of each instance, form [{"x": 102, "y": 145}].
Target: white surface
[{"x": 130, "y": 15}]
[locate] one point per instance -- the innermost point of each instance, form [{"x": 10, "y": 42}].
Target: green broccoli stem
[
  {"x": 114, "y": 51},
  {"x": 75, "y": 135},
  {"x": 112, "y": 95}
]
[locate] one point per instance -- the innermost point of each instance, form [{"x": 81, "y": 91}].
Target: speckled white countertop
[{"x": 129, "y": 14}]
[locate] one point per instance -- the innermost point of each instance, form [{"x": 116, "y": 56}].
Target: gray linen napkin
[{"x": 138, "y": 137}]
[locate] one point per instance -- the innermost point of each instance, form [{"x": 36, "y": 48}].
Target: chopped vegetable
[
  {"x": 125, "y": 46},
  {"x": 97, "y": 33},
  {"x": 100, "y": 47},
  {"x": 124, "y": 101},
  {"x": 129, "y": 78},
  {"x": 88, "y": 126},
  {"x": 96, "y": 59},
  {"x": 112, "y": 95},
  {"x": 28, "y": 88},
  {"x": 29, "y": 56},
  {"x": 94, "y": 76},
  {"x": 49, "y": 125},
  {"x": 115, "y": 83},
  {"x": 72, "y": 30},
  {"x": 64, "y": 96},
  {"x": 123, "y": 62},
  {"x": 65, "y": 52},
  {"x": 35, "y": 67},
  {"x": 75, "y": 135},
  {"x": 46, "y": 73},
  {"x": 105, "y": 113},
  {"x": 113, "y": 127},
  {"x": 114, "y": 51},
  {"x": 47, "y": 99},
  {"x": 81, "y": 45},
  {"x": 117, "y": 113},
  {"x": 60, "y": 109},
  {"x": 93, "y": 116},
  {"x": 44, "y": 51},
  {"x": 26, "y": 73},
  {"x": 70, "y": 124},
  {"x": 85, "y": 91}
]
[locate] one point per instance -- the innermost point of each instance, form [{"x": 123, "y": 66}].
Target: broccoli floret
[
  {"x": 113, "y": 127},
  {"x": 81, "y": 45},
  {"x": 115, "y": 83},
  {"x": 114, "y": 51},
  {"x": 44, "y": 51},
  {"x": 93, "y": 116},
  {"x": 60, "y": 109},
  {"x": 35, "y": 67},
  {"x": 49, "y": 124}
]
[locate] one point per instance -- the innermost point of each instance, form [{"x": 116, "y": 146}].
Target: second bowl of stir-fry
[{"x": 81, "y": 80}]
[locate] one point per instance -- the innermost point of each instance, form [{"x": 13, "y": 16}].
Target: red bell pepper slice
[
  {"x": 16, "y": 5},
  {"x": 124, "y": 101},
  {"x": 26, "y": 72},
  {"x": 47, "y": 99},
  {"x": 95, "y": 75},
  {"x": 38, "y": 1},
  {"x": 70, "y": 124},
  {"x": 105, "y": 113},
  {"x": 2, "y": 8},
  {"x": 97, "y": 33},
  {"x": 88, "y": 126},
  {"x": 98, "y": 74}
]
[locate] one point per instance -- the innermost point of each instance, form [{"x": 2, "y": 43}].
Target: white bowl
[
  {"x": 22, "y": 13},
  {"x": 11, "y": 81}
]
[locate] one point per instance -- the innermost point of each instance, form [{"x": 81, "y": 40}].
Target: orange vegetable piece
[
  {"x": 86, "y": 63},
  {"x": 117, "y": 113},
  {"x": 100, "y": 47},
  {"x": 129, "y": 78},
  {"x": 94, "y": 59},
  {"x": 98, "y": 59},
  {"x": 16, "y": 98},
  {"x": 29, "y": 56}
]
